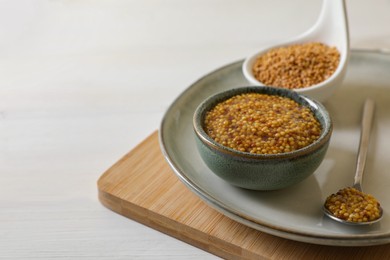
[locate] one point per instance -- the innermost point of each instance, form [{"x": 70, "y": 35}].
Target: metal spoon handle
[{"x": 367, "y": 118}]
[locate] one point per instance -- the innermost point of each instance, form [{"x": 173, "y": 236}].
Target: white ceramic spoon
[{"x": 331, "y": 28}]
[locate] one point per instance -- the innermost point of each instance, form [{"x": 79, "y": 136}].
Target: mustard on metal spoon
[{"x": 351, "y": 205}]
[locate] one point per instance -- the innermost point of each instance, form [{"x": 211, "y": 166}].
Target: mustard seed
[
  {"x": 262, "y": 124},
  {"x": 297, "y": 66},
  {"x": 353, "y": 205}
]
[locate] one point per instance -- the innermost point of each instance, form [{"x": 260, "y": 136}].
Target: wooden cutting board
[{"x": 142, "y": 187}]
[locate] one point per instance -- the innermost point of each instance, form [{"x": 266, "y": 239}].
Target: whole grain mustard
[
  {"x": 353, "y": 205},
  {"x": 262, "y": 124}
]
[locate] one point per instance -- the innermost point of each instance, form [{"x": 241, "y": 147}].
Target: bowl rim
[{"x": 315, "y": 106}]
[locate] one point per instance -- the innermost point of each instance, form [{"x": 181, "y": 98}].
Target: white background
[{"x": 83, "y": 82}]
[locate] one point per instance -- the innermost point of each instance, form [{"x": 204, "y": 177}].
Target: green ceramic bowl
[{"x": 261, "y": 171}]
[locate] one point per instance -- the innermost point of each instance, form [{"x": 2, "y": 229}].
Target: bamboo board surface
[{"x": 142, "y": 187}]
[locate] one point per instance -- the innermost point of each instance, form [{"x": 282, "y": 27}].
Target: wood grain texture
[{"x": 141, "y": 186}]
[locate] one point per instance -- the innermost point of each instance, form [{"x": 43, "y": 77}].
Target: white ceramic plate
[{"x": 295, "y": 213}]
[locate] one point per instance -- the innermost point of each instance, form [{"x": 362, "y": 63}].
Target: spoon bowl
[
  {"x": 331, "y": 28},
  {"x": 367, "y": 118},
  {"x": 351, "y": 223}
]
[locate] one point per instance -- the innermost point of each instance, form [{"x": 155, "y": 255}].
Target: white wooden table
[{"x": 83, "y": 82}]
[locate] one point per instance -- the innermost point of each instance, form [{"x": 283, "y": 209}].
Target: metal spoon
[
  {"x": 367, "y": 118},
  {"x": 330, "y": 28}
]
